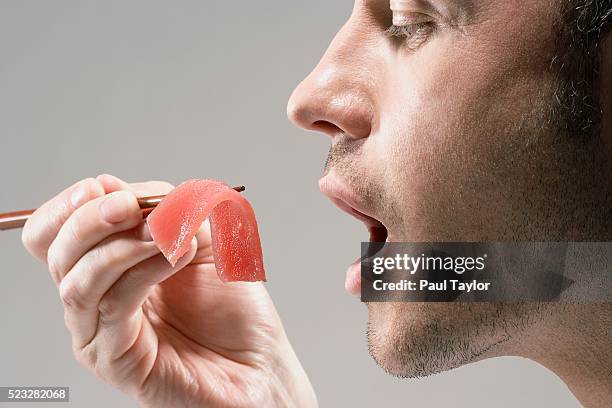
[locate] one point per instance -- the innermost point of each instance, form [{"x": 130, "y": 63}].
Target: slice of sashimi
[{"x": 235, "y": 238}]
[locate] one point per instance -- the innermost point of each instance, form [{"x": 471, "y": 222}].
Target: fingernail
[
  {"x": 114, "y": 207},
  {"x": 80, "y": 194}
]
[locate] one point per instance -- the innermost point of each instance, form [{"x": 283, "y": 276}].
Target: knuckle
[
  {"x": 86, "y": 356},
  {"x": 76, "y": 228},
  {"x": 106, "y": 255},
  {"x": 108, "y": 308},
  {"x": 72, "y": 295},
  {"x": 54, "y": 264},
  {"x": 94, "y": 186},
  {"x": 96, "y": 257}
]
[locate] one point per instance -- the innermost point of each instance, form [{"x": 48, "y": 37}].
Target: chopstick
[{"x": 17, "y": 219}]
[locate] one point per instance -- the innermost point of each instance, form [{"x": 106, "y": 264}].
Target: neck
[{"x": 575, "y": 342}]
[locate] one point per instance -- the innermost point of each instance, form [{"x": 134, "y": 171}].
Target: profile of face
[{"x": 452, "y": 121}]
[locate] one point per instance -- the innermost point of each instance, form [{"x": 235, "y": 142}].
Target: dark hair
[{"x": 582, "y": 27}]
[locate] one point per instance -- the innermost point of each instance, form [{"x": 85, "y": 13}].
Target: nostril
[{"x": 326, "y": 127}]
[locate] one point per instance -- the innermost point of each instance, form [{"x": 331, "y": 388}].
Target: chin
[{"x": 416, "y": 339}]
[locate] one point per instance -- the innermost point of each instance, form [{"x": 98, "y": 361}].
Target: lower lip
[{"x": 352, "y": 283}]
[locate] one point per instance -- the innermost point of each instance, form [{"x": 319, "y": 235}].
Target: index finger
[{"x": 42, "y": 227}]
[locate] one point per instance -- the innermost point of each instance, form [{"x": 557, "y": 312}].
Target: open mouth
[
  {"x": 348, "y": 201},
  {"x": 378, "y": 232}
]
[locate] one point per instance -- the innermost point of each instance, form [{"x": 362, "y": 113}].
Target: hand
[{"x": 169, "y": 337}]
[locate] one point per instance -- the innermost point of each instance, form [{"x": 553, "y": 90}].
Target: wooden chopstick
[{"x": 17, "y": 219}]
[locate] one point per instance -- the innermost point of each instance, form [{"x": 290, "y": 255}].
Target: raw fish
[{"x": 235, "y": 238}]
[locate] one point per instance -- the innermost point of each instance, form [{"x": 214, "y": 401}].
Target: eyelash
[{"x": 413, "y": 35}]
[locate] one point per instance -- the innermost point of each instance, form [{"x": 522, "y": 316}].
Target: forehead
[
  {"x": 465, "y": 8},
  {"x": 442, "y": 5}
]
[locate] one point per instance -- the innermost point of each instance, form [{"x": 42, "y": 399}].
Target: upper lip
[{"x": 346, "y": 199}]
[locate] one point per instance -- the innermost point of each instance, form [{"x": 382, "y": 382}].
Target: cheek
[{"x": 450, "y": 138}]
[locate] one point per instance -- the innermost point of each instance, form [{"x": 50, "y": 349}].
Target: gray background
[{"x": 183, "y": 89}]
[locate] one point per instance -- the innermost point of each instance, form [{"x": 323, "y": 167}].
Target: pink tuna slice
[{"x": 235, "y": 238}]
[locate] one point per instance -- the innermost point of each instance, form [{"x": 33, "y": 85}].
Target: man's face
[{"x": 441, "y": 130}]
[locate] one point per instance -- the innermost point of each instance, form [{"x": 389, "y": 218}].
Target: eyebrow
[{"x": 454, "y": 11}]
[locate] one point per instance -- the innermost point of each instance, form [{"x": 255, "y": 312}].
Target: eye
[
  {"x": 413, "y": 35},
  {"x": 411, "y": 22}
]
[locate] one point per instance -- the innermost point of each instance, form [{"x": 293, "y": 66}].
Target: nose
[{"x": 333, "y": 99}]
